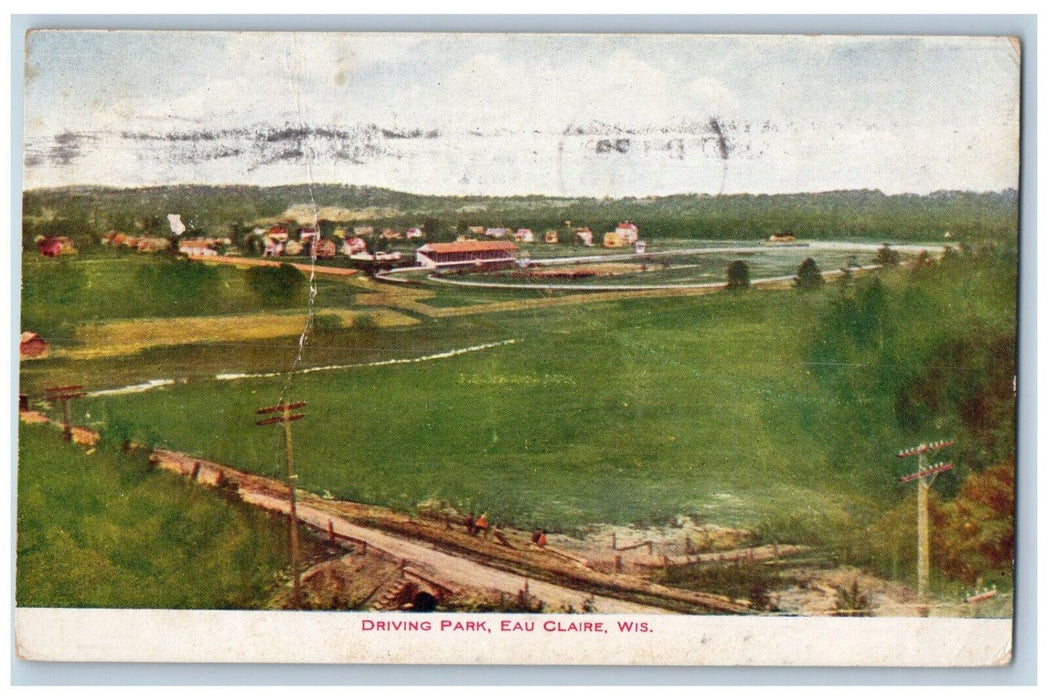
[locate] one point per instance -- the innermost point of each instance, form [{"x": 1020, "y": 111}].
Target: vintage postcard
[{"x": 533, "y": 348}]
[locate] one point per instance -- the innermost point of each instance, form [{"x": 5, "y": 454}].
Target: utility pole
[
  {"x": 65, "y": 394},
  {"x": 286, "y": 417},
  {"x": 924, "y": 476}
]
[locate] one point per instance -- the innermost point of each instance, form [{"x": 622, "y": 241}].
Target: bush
[
  {"x": 808, "y": 275},
  {"x": 284, "y": 284},
  {"x": 365, "y": 322},
  {"x": 886, "y": 257},
  {"x": 327, "y": 322},
  {"x": 738, "y": 275}
]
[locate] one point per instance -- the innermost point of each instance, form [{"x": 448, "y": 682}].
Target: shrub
[
  {"x": 886, "y": 257},
  {"x": 327, "y": 322},
  {"x": 365, "y": 322},
  {"x": 808, "y": 275},
  {"x": 276, "y": 284},
  {"x": 738, "y": 275}
]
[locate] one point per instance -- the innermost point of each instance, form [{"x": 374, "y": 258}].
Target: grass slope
[{"x": 103, "y": 530}]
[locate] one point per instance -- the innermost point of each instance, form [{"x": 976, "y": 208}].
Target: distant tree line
[{"x": 85, "y": 213}]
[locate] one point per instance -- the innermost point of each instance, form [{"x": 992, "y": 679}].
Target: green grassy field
[
  {"x": 104, "y": 285},
  {"x": 630, "y": 411},
  {"x": 104, "y": 530}
]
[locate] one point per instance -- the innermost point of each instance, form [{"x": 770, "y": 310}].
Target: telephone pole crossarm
[{"x": 65, "y": 394}]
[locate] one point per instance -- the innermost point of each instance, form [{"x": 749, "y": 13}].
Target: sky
[{"x": 502, "y": 114}]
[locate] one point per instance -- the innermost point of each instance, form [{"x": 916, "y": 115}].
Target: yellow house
[{"x": 613, "y": 239}]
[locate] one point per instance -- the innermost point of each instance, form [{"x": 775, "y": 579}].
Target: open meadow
[{"x": 722, "y": 407}]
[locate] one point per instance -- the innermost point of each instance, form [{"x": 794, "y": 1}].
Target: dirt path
[{"x": 269, "y": 262}]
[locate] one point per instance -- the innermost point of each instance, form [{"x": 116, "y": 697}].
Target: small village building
[
  {"x": 196, "y": 247},
  {"x": 151, "y": 244},
  {"x": 476, "y": 230},
  {"x": 308, "y": 234},
  {"x": 584, "y": 236},
  {"x": 278, "y": 233},
  {"x": 53, "y": 246},
  {"x": 466, "y": 253},
  {"x": 113, "y": 238},
  {"x": 324, "y": 249},
  {"x": 497, "y": 232},
  {"x": 627, "y": 232},
  {"x": 32, "y": 346},
  {"x": 640, "y": 247},
  {"x": 361, "y": 231},
  {"x": 293, "y": 247},
  {"x": 524, "y": 235},
  {"x": 273, "y": 247},
  {"x": 352, "y": 246},
  {"x": 551, "y": 236},
  {"x": 49, "y": 247},
  {"x": 784, "y": 237},
  {"x": 391, "y": 235},
  {"x": 413, "y": 232},
  {"x": 612, "y": 239}
]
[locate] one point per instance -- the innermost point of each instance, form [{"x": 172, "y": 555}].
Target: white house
[
  {"x": 352, "y": 246},
  {"x": 627, "y": 232}
]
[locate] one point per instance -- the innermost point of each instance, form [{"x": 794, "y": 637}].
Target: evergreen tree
[
  {"x": 808, "y": 275},
  {"x": 738, "y": 275}
]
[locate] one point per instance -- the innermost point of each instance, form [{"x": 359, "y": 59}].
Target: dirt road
[{"x": 451, "y": 570}]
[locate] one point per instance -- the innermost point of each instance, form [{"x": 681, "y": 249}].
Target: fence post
[
  {"x": 331, "y": 532},
  {"x": 618, "y": 563},
  {"x": 614, "y": 543}
]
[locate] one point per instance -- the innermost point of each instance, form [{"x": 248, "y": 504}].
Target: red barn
[
  {"x": 32, "y": 346},
  {"x": 53, "y": 246}
]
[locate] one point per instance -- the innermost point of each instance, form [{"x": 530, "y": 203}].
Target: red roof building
[
  {"x": 32, "y": 346},
  {"x": 459, "y": 253},
  {"x": 53, "y": 246}
]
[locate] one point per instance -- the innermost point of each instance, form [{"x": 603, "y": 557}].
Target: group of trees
[
  {"x": 924, "y": 354},
  {"x": 809, "y": 276}
]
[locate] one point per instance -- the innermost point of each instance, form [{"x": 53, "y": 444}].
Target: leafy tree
[
  {"x": 923, "y": 261},
  {"x": 975, "y": 532},
  {"x": 738, "y": 275},
  {"x": 808, "y": 275},
  {"x": 277, "y": 285},
  {"x": 886, "y": 257},
  {"x": 178, "y": 280}
]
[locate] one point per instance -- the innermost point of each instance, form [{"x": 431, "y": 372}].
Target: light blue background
[{"x": 1023, "y": 669}]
